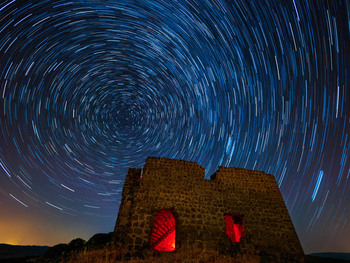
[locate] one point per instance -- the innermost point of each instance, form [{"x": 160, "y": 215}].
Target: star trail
[{"x": 91, "y": 88}]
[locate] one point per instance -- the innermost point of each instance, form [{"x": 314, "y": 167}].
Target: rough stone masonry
[{"x": 201, "y": 207}]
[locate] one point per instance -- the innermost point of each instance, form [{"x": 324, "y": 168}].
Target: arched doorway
[
  {"x": 163, "y": 232},
  {"x": 234, "y": 227}
]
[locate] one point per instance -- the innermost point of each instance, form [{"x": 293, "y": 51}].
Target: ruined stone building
[{"x": 168, "y": 205}]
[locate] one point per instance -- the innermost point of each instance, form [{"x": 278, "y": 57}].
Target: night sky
[{"x": 91, "y": 88}]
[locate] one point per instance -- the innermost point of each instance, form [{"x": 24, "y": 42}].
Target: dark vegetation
[
  {"x": 63, "y": 252},
  {"x": 100, "y": 249},
  {"x": 112, "y": 255}
]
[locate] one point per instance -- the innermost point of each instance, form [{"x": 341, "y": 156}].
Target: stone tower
[{"x": 168, "y": 205}]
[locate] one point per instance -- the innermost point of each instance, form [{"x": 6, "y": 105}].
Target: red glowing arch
[
  {"x": 234, "y": 227},
  {"x": 163, "y": 233}
]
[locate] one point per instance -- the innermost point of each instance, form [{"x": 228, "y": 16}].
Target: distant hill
[
  {"x": 10, "y": 251},
  {"x": 343, "y": 256}
]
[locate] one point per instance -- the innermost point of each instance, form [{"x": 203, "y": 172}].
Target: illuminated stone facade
[{"x": 200, "y": 208}]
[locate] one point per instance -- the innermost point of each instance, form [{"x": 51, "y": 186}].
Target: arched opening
[
  {"x": 234, "y": 227},
  {"x": 163, "y": 232}
]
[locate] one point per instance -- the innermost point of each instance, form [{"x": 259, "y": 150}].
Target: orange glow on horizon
[{"x": 11, "y": 242}]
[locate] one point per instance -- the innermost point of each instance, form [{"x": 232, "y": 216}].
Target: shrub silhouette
[
  {"x": 99, "y": 241},
  {"x": 62, "y": 252},
  {"x": 53, "y": 254},
  {"x": 75, "y": 245}
]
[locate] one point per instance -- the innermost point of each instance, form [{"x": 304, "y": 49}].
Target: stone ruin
[{"x": 169, "y": 206}]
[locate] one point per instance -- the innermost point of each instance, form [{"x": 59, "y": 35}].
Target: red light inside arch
[
  {"x": 163, "y": 233},
  {"x": 234, "y": 227}
]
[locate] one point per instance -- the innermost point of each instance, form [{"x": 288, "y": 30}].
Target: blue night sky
[{"x": 90, "y": 88}]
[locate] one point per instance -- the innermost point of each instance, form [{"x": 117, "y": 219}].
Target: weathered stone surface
[{"x": 199, "y": 206}]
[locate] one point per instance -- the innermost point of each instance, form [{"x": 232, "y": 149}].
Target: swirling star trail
[{"x": 90, "y": 88}]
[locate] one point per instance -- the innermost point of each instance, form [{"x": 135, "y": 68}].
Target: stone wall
[{"x": 199, "y": 206}]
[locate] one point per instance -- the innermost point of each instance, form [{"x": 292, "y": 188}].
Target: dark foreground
[
  {"x": 99, "y": 250},
  {"x": 308, "y": 259}
]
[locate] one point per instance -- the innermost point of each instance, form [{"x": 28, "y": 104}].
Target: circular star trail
[{"x": 91, "y": 88}]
